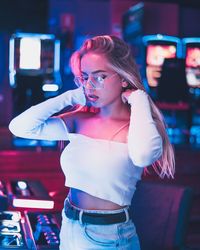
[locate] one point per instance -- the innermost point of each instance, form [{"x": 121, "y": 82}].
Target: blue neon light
[
  {"x": 36, "y": 35},
  {"x": 57, "y": 56},
  {"x": 189, "y": 40},
  {"x": 165, "y": 38},
  {"x": 11, "y": 63}
]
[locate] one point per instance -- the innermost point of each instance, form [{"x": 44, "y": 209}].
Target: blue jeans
[{"x": 75, "y": 235}]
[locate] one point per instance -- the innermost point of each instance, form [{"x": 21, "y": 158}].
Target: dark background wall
[
  {"x": 29, "y": 16},
  {"x": 91, "y": 17},
  {"x": 189, "y": 21},
  {"x": 16, "y": 15}
]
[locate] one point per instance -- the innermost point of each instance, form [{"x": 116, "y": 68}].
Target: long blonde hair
[{"x": 121, "y": 61}]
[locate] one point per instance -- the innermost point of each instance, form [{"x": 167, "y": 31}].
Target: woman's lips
[{"x": 92, "y": 98}]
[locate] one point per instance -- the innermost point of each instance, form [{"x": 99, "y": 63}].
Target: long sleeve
[
  {"x": 37, "y": 121},
  {"x": 144, "y": 140}
]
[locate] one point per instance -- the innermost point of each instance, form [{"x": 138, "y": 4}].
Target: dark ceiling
[{"x": 189, "y": 3}]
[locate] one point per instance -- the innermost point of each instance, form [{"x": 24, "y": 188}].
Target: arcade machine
[
  {"x": 34, "y": 74},
  {"x": 166, "y": 83},
  {"x": 157, "y": 49},
  {"x": 132, "y": 31},
  {"x": 26, "y": 217},
  {"x": 191, "y": 51}
]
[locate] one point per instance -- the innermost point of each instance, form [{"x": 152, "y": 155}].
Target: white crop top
[
  {"x": 105, "y": 169},
  {"x": 101, "y": 168}
]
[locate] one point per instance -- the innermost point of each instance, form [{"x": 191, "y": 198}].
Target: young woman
[{"x": 109, "y": 147}]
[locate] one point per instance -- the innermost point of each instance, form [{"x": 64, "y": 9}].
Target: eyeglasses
[{"x": 95, "y": 81}]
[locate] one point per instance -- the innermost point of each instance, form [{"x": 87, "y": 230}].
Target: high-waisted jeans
[{"x": 75, "y": 235}]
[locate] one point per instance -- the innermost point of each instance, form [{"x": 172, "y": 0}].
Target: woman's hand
[
  {"x": 77, "y": 96},
  {"x": 125, "y": 95}
]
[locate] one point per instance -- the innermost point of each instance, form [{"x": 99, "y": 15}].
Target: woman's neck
[{"x": 117, "y": 110}]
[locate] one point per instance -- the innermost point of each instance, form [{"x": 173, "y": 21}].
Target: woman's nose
[{"x": 89, "y": 84}]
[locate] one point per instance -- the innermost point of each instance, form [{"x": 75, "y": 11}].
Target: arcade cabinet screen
[
  {"x": 30, "y": 51},
  {"x": 155, "y": 56},
  {"x": 193, "y": 66}
]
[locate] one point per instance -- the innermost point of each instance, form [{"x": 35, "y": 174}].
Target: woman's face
[{"x": 95, "y": 67}]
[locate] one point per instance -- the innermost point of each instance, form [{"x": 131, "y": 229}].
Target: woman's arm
[
  {"x": 37, "y": 122},
  {"x": 144, "y": 141}
]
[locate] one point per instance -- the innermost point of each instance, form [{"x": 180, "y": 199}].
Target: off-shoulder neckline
[{"x": 98, "y": 139}]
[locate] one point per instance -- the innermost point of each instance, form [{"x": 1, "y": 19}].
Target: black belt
[{"x": 95, "y": 218}]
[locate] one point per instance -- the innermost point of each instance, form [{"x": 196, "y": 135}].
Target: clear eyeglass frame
[{"x": 95, "y": 82}]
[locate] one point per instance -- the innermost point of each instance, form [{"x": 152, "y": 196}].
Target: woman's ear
[{"x": 124, "y": 83}]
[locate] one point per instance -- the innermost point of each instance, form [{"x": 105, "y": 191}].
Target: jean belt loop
[
  {"x": 66, "y": 202},
  {"x": 127, "y": 214},
  {"x": 80, "y": 217}
]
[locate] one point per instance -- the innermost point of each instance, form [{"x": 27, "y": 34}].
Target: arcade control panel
[
  {"x": 33, "y": 230},
  {"x": 33, "y": 226},
  {"x": 26, "y": 193}
]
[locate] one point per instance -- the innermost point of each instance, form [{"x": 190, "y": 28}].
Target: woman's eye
[
  {"x": 100, "y": 78},
  {"x": 85, "y": 78}
]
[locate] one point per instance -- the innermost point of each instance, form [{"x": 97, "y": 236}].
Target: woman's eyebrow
[{"x": 95, "y": 72}]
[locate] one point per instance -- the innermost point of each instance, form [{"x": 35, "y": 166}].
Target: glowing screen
[
  {"x": 193, "y": 66},
  {"x": 30, "y": 50},
  {"x": 155, "y": 57}
]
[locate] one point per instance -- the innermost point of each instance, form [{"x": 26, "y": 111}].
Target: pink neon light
[{"x": 33, "y": 203}]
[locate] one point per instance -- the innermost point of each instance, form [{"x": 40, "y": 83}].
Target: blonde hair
[{"x": 121, "y": 60}]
